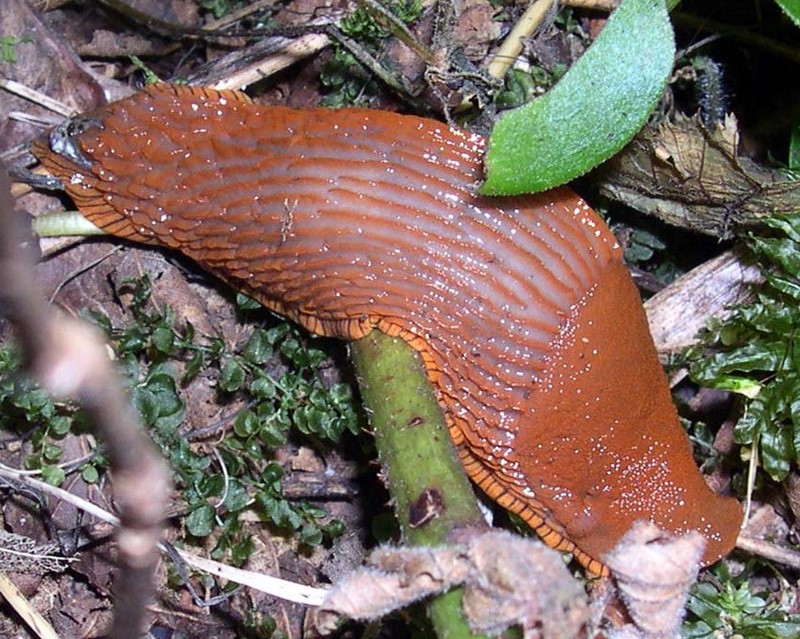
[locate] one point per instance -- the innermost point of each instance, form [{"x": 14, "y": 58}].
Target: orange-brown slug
[{"x": 527, "y": 321}]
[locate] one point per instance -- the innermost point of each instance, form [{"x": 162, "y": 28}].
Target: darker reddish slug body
[{"x": 525, "y": 317}]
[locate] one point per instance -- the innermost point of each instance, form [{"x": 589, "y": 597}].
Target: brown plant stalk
[{"x": 70, "y": 361}]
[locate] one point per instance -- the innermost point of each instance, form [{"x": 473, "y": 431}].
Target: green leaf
[
  {"x": 518, "y": 89},
  {"x": 791, "y": 8},
  {"x": 53, "y": 475},
  {"x": 89, "y": 474},
  {"x": 272, "y": 474},
  {"x": 263, "y": 387},
  {"x": 596, "y": 108},
  {"x": 294, "y": 351},
  {"x": 245, "y": 303},
  {"x": 8, "y": 44},
  {"x": 163, "y": 339},
  {"x": 51, "y": 452},
  {"x": 258, "y": 348},
  {"x": 310, "y": 535},
  {"x": 59, "y": 425},
  {"x": 752, "y": 357},
  {"x": 210, "y": 485},
  {"x": 782, "y": 251},
  {"x": 158, "y": 401},
  {"x": 335, "y": 528},
  {"x": 777, "y": 452},
  {"x": 273, "y": 433},
  {"x": 734, "y": 611},
  {"x": 236, "y": 496},
  {"x": 279, "y": 512},
  {"x": 242, "y": 551},
  {"x": 100, "y": 319},
  {"x": 794, "y": 143},
  {"x": 278, "y": 332},
  {"x": 232, "y": 376},
  {"x": 132, "y": 340},
  {"x": 245, "y": 424},
  {"x": 202, "y": 521},
  {"x": 341, "y": 395},
  {"x": 193, "y": 367}
]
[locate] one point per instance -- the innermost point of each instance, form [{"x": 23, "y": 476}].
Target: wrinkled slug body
[{"x": 527, "y": 321}]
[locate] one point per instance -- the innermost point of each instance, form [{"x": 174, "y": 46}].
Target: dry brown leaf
[
  {"x": 430, "y": 569},
  {"x": 22, "y": 554},
  {"x": 693, "y": 178},
  {"x": 508, "y": 581},
  {"x": 396, "y": 578},
  {"x": 519, "y": 581},
  {"x": 654, "y": 572}
]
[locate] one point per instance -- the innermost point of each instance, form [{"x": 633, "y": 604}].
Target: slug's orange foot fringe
[{"x": 528, "y": 510}]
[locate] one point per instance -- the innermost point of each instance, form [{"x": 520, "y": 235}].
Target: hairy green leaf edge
[
  {"x": 596, "y": 108},
  {"x": 792, "y": 9}
]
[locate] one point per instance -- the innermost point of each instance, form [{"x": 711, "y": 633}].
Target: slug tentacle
[
  {"x": 62, "y": 139},
  {"x": 527, "y": 322}
]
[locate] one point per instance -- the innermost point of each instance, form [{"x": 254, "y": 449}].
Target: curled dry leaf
[
  {"x": 517, "y": 581},
  {"x": 428, "y": 569},
  {"x": 654, "y": 572},
  {"x": 394, "y": 578},
  {"x": 508, "y": 581},
  {"x": 694, "y": 178}
]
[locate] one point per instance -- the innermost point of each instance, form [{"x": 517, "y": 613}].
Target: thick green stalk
[{"x": 417, "y": 456}]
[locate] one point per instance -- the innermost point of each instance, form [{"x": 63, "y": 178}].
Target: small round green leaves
[{"x": 596, "y": 108}]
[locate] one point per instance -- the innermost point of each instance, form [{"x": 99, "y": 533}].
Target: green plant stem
[
  {"x": 64, "y": 224},
  {"x": 416, "y": 454}
]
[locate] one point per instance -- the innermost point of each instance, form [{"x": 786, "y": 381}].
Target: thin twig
[
  {"x": 37, "y": 97},
  {"x": 524, "y": 28},
  {"x": 70, "y": 360},
  {"x": 273, "y": 586},
  {"x": 596, "y": 5},
  {"x": 773, "y": 552}
]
